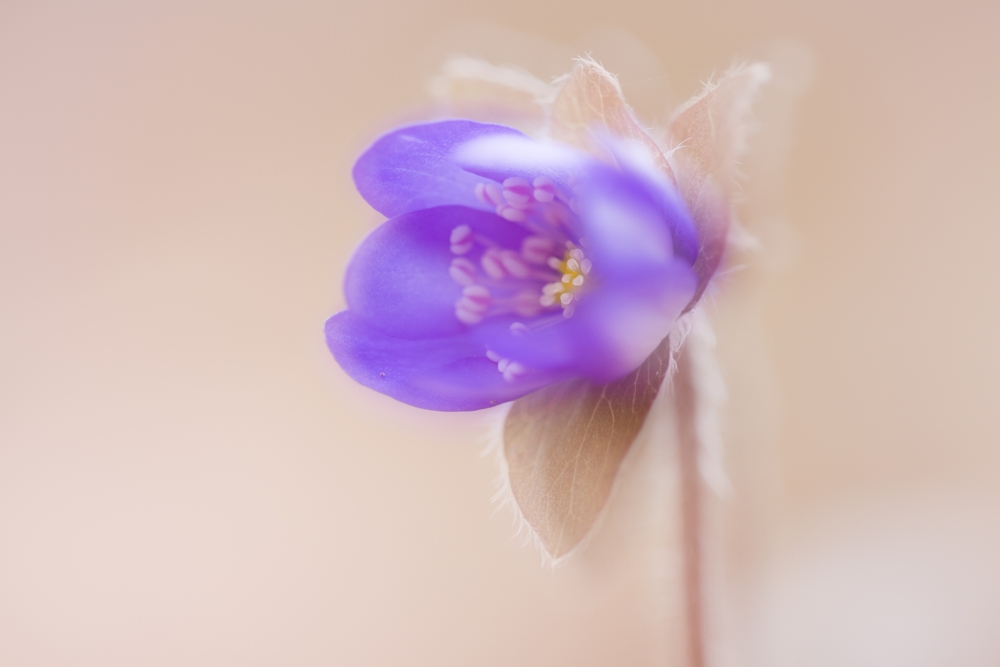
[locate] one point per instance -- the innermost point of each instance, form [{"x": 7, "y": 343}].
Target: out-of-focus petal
[
  {"x": 635, "y": 160},
  {"x": 500, "y": 156},
  {"x": 398, "y": 281},
  {"x": 449, "y": 374},
  {"x": 624, "y": 225},
  {"x": 410, "y": 168}
]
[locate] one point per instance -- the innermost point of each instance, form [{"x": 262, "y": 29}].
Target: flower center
[
  {"x": 541, "y": 281},
  {"x": 574, "y": 268}
]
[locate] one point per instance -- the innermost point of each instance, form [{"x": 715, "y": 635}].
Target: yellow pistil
[{"x": 574, "y": 268}]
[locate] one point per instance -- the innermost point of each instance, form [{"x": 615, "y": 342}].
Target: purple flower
[{"x": 508, "y": 264}]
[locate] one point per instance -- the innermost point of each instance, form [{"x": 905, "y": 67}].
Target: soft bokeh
[{"x": 186, "y": 477}]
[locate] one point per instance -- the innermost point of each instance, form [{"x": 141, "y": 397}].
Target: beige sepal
[{"x": 588, "y": 99}]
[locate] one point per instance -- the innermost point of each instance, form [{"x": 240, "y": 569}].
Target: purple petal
[
  {"x": 411, "y": 168},
  {"x": 636, "y": 162},
  {"x": 627, "y": 230},
  {"x": 449, "y": 374},
  {"x": 500, "y": 156},
  {"x": 397, "y": 280}
]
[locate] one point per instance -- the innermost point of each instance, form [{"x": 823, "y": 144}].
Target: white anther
[
  {"x": 493, "y": 193},
  {"x": 514, "y": 265},
  {"x": 568, "y": 312},
  {"x": 492, "y": 265},
  {"x": 554, "y": 263},
  {"x": 461, "y": 234},
  {"x": 573, "y": 265},
  {"x": 576, "y": 254},
  {"x": 578, "y": 280},
  {"x": 517, "y": 184},
  {"x": 566, "y": 278},
  {"x": 545, "y": 190},
  {"x": 566, "y": 298},
  {"x": 547, "y": 300},
  {"x": 461, "y": 239},
  {"x": 552, "y": 288},
  {"x": 481, "y": 193},
  {"x": 493, "y": 356},
  {"x": 516, "y": 199},
  {"x": 544, "y": 196},
  {"x": 468, "y": 317},
  {"x": 526, "y": 303},
  {"x": 585, "y": 266},
  {"x": 519, "y": 329},
  {"x": 556, "y": 214},
  {"x": 536, "y": 249},
  {"x": 503, "y": 364},
  {"x": 512, "y": 214},
  {"x": 477, "y": 294},
  {"x": 471, "y": 307},
  {"x": 514, "y": 371},
  {"x": 462, "y": 271}
]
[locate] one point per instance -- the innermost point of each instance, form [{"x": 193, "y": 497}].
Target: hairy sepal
[
  {"x": 707, "y": 137},
  {"x": 590, "y": 100},
  {"x": 564, "y": 445}
]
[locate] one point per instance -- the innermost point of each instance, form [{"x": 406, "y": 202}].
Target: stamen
[
  {"x": 493, "y": 356},
  {"x": 557, "y": 214},
  {"x": 514, "y": 264},
  {"x": 461, "y": 239},
  {"x": 493, "y": 194},
  {"x": 519, "y": 329},
  {"x": 563, "y": 291},
  {"x": 492, "y": 265},
  {"x": 477, "y": 294},
  {"x": 481, "y": 193},
  {"x": 514, "y": 371},
  {"x": 511, "y": 214},
  {"x": 467, "y": 316},
  {"x": 537, "y": 249},
  {"x": 472, "y": 306},
  {"x": 517, "y": 191},
  {"x": 526, "y": 303},
  {"x": 462, "y": 271},
  {"x": 545, "y": 190}
]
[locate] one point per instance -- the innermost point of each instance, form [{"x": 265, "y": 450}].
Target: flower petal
[
  {"x": 500, "y": 156},
  {"x": 628, "y": 232},
  {"x": 410, "y": 168},
  {"x": 449, "y": 374},
  {"x": 398, "y": 279},
  {"x": 636, "y": 161}
]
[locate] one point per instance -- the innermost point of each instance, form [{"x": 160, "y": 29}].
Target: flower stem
[{"x": 691, "y": 508}]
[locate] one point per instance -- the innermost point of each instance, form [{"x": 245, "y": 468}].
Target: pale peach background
[{"x": 186, "y": 478}]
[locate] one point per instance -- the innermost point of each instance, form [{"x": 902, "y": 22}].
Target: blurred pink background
[{"x": 186, "y": 477}]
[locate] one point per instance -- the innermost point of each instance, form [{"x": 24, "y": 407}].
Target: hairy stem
[{"x": 691, "y": 509}]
